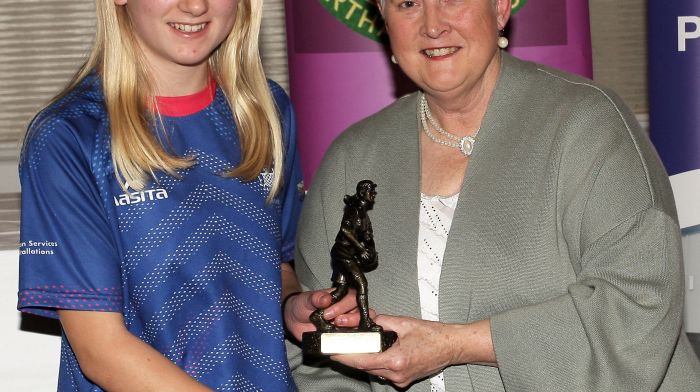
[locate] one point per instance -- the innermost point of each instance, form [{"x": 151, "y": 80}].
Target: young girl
[{"x": 160, "y": 193}]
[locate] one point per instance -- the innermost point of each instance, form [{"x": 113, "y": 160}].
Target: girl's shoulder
[
  {"x": 285, "y": 111},
  {"x": 80, "y": 109},
  {"x": 279, "y": 95},
  {"x": 75, "y": 122}
]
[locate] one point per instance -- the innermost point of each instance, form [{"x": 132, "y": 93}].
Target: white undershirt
[{"x": 436, "y": 214}]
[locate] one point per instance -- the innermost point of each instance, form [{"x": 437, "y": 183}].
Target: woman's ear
[
  {"x": 380, "y": 5},
  {"x": 503, "y": 8}
]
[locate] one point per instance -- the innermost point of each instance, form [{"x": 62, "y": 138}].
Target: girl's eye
[{"x": 407, "y": 4}]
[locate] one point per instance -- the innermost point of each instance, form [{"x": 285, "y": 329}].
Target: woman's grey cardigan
[{"x": 565, "y": 236}]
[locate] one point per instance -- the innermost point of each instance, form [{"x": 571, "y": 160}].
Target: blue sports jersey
[{"x": 192, "y": 262}]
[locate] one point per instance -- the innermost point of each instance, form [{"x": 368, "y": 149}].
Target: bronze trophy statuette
[{"x": 352, "y": 255}]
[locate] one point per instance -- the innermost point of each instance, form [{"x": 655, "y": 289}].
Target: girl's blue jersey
[{"x": 192, "y": 262}]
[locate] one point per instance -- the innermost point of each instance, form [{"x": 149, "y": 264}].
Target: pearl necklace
[{"x": 465, "y": 144}]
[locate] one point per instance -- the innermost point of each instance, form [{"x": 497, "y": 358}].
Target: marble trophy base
[{"x": 346, "y": 341}]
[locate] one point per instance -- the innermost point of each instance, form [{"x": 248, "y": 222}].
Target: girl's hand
[{"x": 299, "y": 307}]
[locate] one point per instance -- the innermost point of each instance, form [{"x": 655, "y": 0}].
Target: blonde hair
[{"x": 137, "y": 151}]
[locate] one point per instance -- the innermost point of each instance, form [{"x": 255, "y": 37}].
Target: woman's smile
[{"x": 440, "y": 53}]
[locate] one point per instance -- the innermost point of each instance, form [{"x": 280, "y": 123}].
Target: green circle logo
[
  {"x": 516, "y": 5},
  {"x": 362, "y": 16}
]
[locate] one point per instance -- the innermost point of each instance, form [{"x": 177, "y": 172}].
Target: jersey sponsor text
[{"x": 140, "y": 197}]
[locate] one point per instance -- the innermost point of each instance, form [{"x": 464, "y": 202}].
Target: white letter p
[{"x": 683, "y": 34}]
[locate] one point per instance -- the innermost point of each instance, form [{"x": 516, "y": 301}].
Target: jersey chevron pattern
[{"x": 192, "y": 262}]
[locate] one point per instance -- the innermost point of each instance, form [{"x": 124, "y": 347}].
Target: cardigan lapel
[
  {"x": 465, "y": 258},
  {"x": 395, "y": 283}
]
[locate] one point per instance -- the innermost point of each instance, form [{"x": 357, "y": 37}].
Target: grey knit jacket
[{"x": 565, "y": 236}]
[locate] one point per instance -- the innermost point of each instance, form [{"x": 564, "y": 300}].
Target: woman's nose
[{"x": 434, "y": 21}]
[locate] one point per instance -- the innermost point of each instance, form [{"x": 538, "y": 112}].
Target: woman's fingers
[{"x": 423, "y": 349}]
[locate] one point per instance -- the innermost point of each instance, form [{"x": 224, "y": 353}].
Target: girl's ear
[{"x": 120, "y": 2}]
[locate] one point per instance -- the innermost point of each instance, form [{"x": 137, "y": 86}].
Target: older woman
[{"x": 527, "y": 235}]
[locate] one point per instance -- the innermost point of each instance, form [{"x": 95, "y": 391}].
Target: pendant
[{"x": 466, "y": 145}]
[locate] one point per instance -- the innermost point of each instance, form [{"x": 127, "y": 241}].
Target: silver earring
[
  {"x": 394, "y": 60},
  {"x": 502, "y": 41}
]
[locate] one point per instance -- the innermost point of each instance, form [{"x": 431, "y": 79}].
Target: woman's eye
[{"x": 407, "y": 4}]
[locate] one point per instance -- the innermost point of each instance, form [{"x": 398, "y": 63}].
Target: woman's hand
[{"x": 424, "y": 348}]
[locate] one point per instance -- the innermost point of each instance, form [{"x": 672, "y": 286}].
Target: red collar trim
[{"x": 187, "y": 104}]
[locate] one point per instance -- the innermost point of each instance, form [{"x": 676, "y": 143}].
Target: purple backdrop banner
[
  {"x": 338, "y": 75},
  {"x": 674, "y": 98}
]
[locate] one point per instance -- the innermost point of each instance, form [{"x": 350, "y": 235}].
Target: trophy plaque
[{"x": 352, "y": 255}]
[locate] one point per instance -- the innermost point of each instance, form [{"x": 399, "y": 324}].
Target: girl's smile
[
  {"x": 188, "y": 28},
  {"x": 177, "y": 37}
]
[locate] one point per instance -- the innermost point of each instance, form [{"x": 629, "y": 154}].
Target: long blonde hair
[{"x": 127, "y": 86}]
